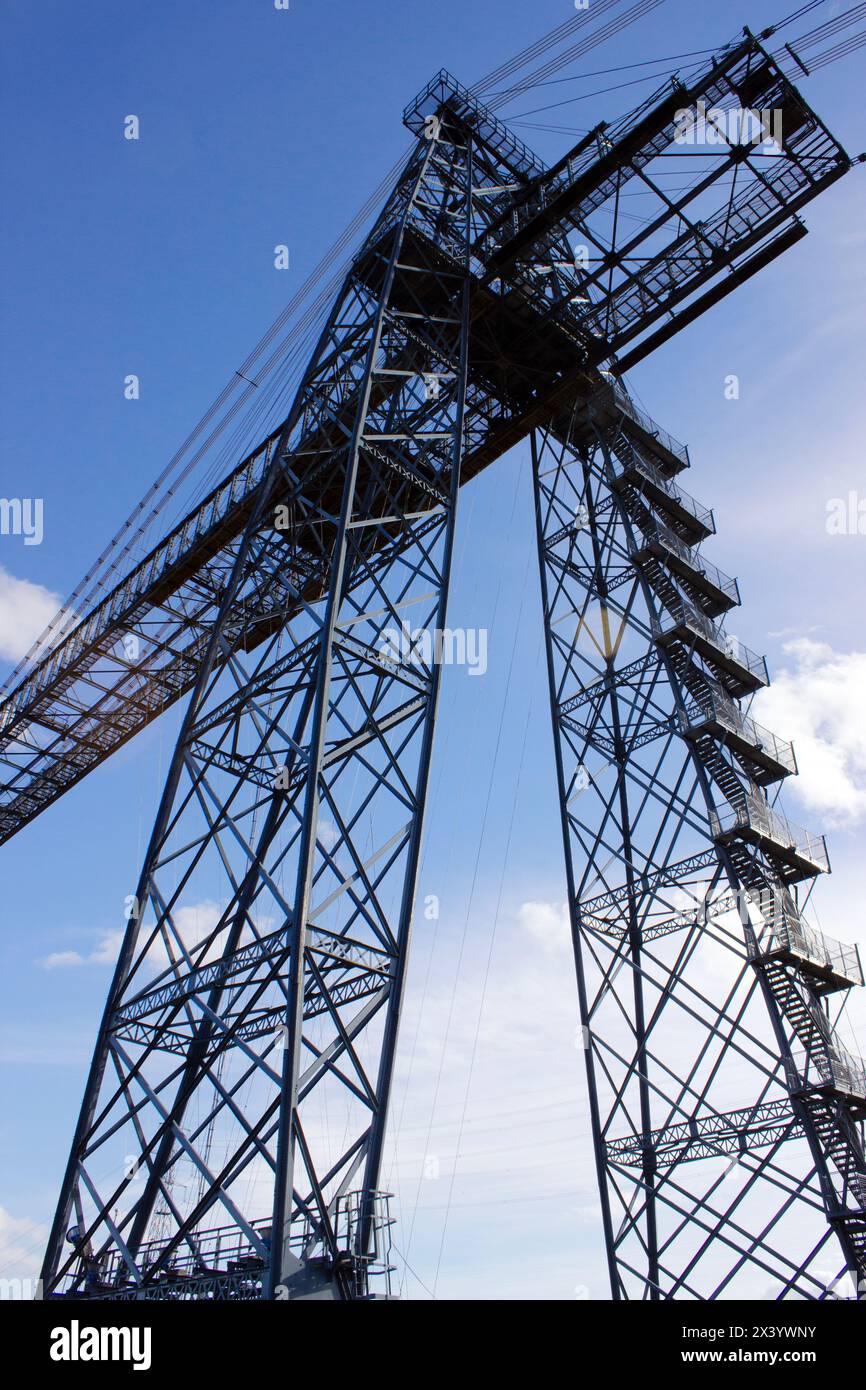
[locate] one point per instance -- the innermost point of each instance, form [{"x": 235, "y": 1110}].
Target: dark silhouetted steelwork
[{"x": 300, "y": 609}]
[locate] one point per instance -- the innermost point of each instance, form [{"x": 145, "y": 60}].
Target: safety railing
[
  {"x": 618, "y": 468},
  {"x": 785, "y": 932},
  {"x": 685, "y": 616},
  {"x": 718, "y": 708},
  {"x": 445, "y": 88},
  {"x": 656, "y": 531},
  {"x": 220, "y": 1251},
  {"x": 757, "y": 816},
  {"x": 243, "y": 1257},
  {"x": 831, "y": 1067},
  {"x": 140, "y": 582},
  {"x": 648, "y": 425}
]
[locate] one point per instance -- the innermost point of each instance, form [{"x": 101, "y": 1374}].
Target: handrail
[
  {"x": 725, "y": 711},
  {"x": 754, "y": 813},
  {"x": 685, "y": 614},
  {"x": 666, "y": 485},
  {"x": 832, "y": 1066},
  {"x": 785, "y": 930},
  {"x": 677, "y": 546},
  {"x": 237, "y": 487},
  {"x": 646, "y": 422},
  {"x": 496, "y": 133}
]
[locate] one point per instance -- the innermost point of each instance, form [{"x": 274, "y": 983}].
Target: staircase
[{"x": 796, "y": 963}]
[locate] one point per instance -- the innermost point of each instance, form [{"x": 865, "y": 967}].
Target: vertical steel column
[
  {"x": 326, "y": 714},
  {"x": 448, "y": 164},
  {"x": 690, "y": 1031}
]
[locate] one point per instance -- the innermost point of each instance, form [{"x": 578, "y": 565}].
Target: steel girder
[
  {"x": 542, "y": 322},
  {"x": 258, "y": 988},
  {"x": 693, "y": 1020}
]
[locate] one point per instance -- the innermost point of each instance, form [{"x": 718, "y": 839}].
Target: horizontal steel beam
[
  {"x": 532, "y": 350},
  {"x": 710, "y": 1136}
]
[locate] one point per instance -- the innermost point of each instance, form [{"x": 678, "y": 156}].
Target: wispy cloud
[
  {"x": 61, "y": 960},
  {"x": 105, "y": 953},
  {"x": 194, "y": 922},
  {"x": 22, "y": 1241},
  {"x": 547, "y": 924}
]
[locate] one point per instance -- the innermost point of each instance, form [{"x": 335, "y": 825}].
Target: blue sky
[{"x": 155, "y": 257}]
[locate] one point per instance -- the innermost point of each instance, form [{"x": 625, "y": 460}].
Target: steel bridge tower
[{"x": 495, "y": 300}]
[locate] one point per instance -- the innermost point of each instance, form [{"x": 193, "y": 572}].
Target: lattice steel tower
[{"x": 494, "y": 300}]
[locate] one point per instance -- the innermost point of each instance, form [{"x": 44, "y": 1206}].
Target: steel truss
[
  {"x": 295, "y": 804},
  {"x": 698, "y": 989},
  {"x": 541, "y": 324},
  {"x": 301, "y": 607}
]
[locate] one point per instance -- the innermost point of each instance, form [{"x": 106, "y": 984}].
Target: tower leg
[
  {"x": 240, "y": 1083},
  {"x": 722, "y": 1169}
]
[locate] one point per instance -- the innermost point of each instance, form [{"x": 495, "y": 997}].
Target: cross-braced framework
[
  {"x": 724, "y": 1108},
  {"x": 294, "y": 804},
  {"x": 301, "y": 607}
]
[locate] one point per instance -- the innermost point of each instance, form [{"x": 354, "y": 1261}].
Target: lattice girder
[
  {"x": 682, "y": 1025},
  {"x": 293, "y": 811}
]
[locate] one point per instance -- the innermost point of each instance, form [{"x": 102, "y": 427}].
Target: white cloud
[
  {"x": 104, "y": 954},
  {"x": 327, "y": 833},
  {"x": 194, "y": 923},
  {"x": 818, "y": 703},
  {"x": 108, "y": 949},
  {"x": 26, "y": 609},
  {"x": 21, "y": 1245},
  {"x": 486, "y": 1144},
  {"x": 548, "y": 923},
  {"x": 61, "y": 960}
]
